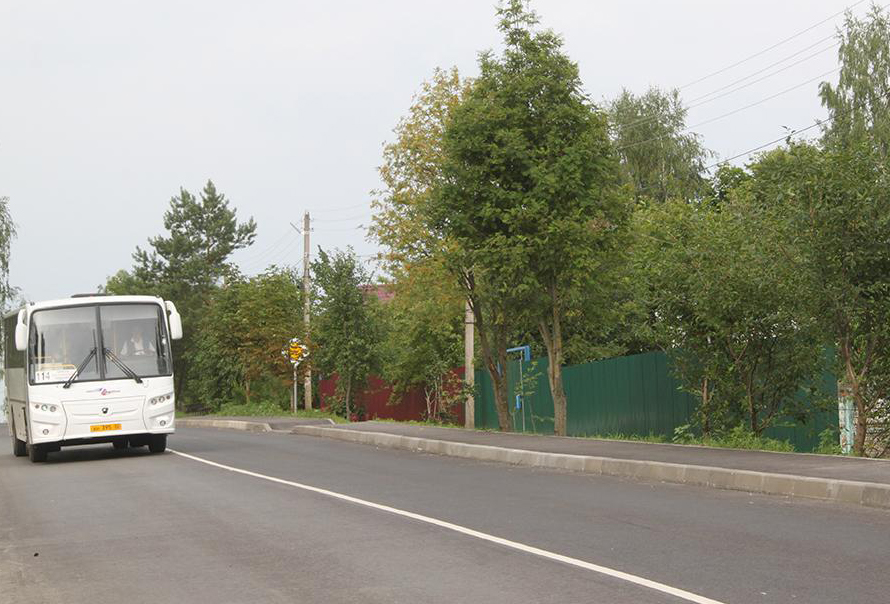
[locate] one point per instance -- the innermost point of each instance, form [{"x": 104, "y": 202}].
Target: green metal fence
[{"x": 635, "y": 395}]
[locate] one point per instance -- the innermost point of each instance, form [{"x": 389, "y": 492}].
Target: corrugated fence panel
[{"x": 635, "y": 395}]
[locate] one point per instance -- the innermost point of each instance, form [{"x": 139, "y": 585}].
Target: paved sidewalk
[{"x": 797, "y": 464}]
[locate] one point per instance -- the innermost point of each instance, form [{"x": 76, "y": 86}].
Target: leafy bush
[{"x": 829, "y": 442}]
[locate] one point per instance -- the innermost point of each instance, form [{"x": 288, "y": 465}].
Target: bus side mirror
[
  {"x": 21, "y": 332},
  {"x": 175, "y": 321}
]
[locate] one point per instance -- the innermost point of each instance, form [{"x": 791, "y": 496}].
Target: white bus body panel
[
  {"x": 82, "y": 406},
  {"x": 94, "y": 403}
]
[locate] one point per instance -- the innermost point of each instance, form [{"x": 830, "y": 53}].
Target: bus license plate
[{"x": 105, "y": 427}]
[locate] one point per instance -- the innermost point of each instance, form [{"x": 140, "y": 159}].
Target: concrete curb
[
  {"x": 225, "y": 424},
  {"x": 843, "y": 491}
]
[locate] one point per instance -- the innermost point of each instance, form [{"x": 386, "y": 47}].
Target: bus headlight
[{"x": 157, "y": 400}]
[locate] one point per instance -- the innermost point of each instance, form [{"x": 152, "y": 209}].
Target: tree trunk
[
  {"x": 552, "y": 335},
  {"x": 706, "y": 409},
  {"x": 497, "y": 369},
  {"x": 854, "y": 384},
  {"x": 247, "y": 391}
]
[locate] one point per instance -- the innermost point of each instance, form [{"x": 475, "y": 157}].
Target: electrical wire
[
  {"x": 729, "y": 113},
  {"x": 258, "y": 254},
  {"x": 264, "y": 261},
  {"x": 764, "y": 145},
  {"x": 324, "y": 210},
  {"x": 339, "y": 219},
  {"x": 769, "y": 48},
  {"x": 766, "y": 77}
]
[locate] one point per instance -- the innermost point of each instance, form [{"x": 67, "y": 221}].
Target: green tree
[
  {"x": 242, "y": 331},
  {"x": 731, "y": 303},
  {"x": 659, "y": 158},
  {"x": 837, "y": 201},
  {"x": 859, "y": 105},
  {"x": 404, "y": 222},
  {"x": 7, "y": 234},
  {"x": 346, "y": 330},
  {"x": 424, "y": 335},
  {"x": 530, "y": 189},
  {"x": 411, "y": 170},
  {"x": 187, "y": 264}
]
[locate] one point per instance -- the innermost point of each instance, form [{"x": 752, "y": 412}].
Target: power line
[
  {"x": 773, "y": 142},
  {"x": 268, "y": 259},
  {"x": 751, "y": 75},
  {"x": 818, "y": 123},
  {"x": 265, "y": 251},
  {"x": 742, "y": 79},
  {"x": 729, "y": 113},
  {"x": 341, "y": 209},
  {"x": 769, "y": 48},
  {"x": 356, "y": 228},
  {"x": 340, "y": 219},
  {"x": 767, "y": 76}
]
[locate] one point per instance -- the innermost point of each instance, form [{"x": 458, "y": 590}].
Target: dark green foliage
[
  {"x": 186, "y": 265},
  {"x": 346, "y": 330},
  {"x": 529, "y": 193},
  {"x": 732, "y": 298},
  {"x": 241, "y": 334}
]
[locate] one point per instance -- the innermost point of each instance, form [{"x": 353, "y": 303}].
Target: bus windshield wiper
[
  {"x": 129, "y": 372},
  {"x": 83, "y": 365}
]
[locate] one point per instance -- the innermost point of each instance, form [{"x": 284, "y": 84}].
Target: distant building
[{"x": 383, "y": 291}]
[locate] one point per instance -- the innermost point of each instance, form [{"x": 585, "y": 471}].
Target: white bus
[{"x": 90, "y": 369}]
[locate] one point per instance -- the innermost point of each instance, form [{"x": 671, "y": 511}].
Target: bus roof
[{"x": 82, "y": 300}]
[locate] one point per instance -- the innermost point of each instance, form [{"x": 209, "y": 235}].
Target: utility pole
[
  {"x": 469, "y": 372},
  {"x": 307, "y": 383}
]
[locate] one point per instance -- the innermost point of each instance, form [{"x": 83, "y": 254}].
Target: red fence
[{"x": 375, "y": 399}]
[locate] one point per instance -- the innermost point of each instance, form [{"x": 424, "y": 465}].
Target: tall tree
[
  {"x": 659, "y": 158},
  {"x": 188, "y": 263},
  {"x": 837, "y": 201},
  {"x": 530, "y": 188},
  {"x": 346, "y": 329},
  {"x": 732, "y": 301},
  {"x": 7, "y": 234},
  {"x": 417, "y": 251},
  {"x": 859, "y": 105}
]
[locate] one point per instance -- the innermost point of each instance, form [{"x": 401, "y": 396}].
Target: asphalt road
[{"x": 96, "y": 525}]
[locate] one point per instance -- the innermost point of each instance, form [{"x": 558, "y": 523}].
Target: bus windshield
[{"x": 62, "y": 339}]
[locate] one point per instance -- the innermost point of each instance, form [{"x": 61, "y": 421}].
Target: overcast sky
[{"x": 108, "y": 108}]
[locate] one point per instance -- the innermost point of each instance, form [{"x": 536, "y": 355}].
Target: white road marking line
[{"x": 603, "y": 570}]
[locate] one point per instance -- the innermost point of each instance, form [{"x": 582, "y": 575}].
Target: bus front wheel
[
  {"x": 36, "y": 453},
  {"x": 157, "y": 443}
]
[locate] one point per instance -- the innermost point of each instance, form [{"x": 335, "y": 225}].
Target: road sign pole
[{"x": 294, "y": 409}]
